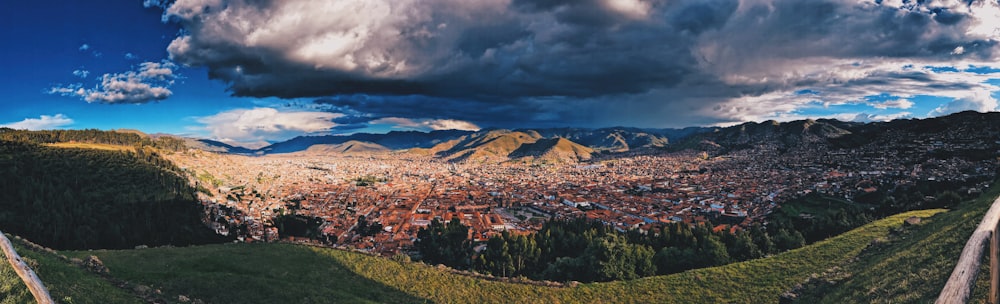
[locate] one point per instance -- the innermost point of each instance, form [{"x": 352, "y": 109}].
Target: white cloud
[
  {"x": 44, "y": 122},
  {"x": 427, "y": 124},
  {"x": 81, "y": 73},
  {"x": 866, "y": 117},
  {"x": 150, "y": 82},
  {"x": 636, "y": 9},
  {"x": 901, "y": 103},
  {"x": 130, "y": 56},
  {"x": 978, "y": 100},
  {"x": 84, "y": 47},
  {"x": 254, "y": 128},
  {"x": 849, "y": 82}
]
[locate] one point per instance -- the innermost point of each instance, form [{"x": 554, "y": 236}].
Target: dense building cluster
[{"x": 404, "y": 192}]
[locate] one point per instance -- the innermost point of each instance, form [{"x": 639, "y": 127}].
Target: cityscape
[{"x": 404, "y": 191}]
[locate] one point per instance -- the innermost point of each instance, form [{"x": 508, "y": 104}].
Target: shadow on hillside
[{"x": 249, "y": 273}]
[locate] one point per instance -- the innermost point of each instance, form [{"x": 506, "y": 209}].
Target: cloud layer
[
  {"x": 44, "y": 122},
  {"x": 254, "y": 128},
  {"x": 645, "y": 62},
  {"x": 150, "y": 82},
  {"x": 427, "y": 124}
]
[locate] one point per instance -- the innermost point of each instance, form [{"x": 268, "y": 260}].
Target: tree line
[
  {"x": 92, "y": 136},
  {"x": 583, "y": 250}
]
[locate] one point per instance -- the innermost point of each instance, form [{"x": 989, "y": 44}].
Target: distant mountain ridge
[
  {"x": 831, "y": 133},
  {"x": 351, "y": 147},
  {"x": 395, "y": 140},
  {"x": 616, "y": 139},
  {"x": 505, "y": 145}
]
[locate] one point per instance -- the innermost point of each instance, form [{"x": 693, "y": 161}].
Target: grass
[
  {"x": 283, "y": 273},
  {"x": 913, "y": 266},
  {"x": 12, "y": 289},
  {"x": 68, "y": 283},
  {"x": 247, "y": 273},
  {"x": 90, "y": 146}
]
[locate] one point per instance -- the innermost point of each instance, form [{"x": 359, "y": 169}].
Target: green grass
[
  {"x": 282, "y": 273},
  {"x": 913, "y": 266},
  {"x": 68, "y": 283},
  {"x": 247, "y": 273},
  {"x": 12, "y": 289}
]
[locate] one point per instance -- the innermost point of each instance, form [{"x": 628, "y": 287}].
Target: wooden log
[
  {"x": 994, "y": 265},
  {"x": 29, "y": 277},
  {"x": 963, "y": 277}
]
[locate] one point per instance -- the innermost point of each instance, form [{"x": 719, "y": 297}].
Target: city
[{"x": 403, "y": 192}]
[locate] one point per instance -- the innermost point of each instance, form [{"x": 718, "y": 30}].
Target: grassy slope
[
  {"x": 270, "y": 273},
  {"x": 70, "y": 284},
  {"x": 914, "y": 266},
  {"x": 12, "y": 289},
  {"x": 247, "y": 273}
]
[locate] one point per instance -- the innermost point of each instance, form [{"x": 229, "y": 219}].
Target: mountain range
[
  {"x": 546, "y": 145},
  {"x": 580, "y": 144}
]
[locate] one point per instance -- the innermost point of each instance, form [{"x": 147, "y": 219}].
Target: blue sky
[{"x": 253, "y": 72}]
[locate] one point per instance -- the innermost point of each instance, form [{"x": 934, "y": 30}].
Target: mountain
[
  {"x": 618, "y": 139},
  {"x": 395, "y": 140},
  {"x": 828, "y": 133},
  {"x": 215, "y": 146},
  {"x": 488, "y": 145},
  {"x": 553, "y": 150},
  {"x": 351, "y": 147}
]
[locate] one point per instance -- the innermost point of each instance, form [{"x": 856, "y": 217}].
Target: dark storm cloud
[
  {"x": 494, "y": 114},
  {"x": 544, "y": 61}
]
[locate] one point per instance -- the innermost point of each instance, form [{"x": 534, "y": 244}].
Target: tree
[{"x": 445, "y": 244}]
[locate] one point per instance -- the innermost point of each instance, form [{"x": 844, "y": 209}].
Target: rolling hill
[
  {"x": 395, "y": 140},
  {"x": 499, "y": 145},
  {"x": 960, "y": 127},
  {"x": 552, "y": 150},
  {"x": 351, "y": 147},
  {"x": 490, "y": 145},
  {"x": 619, "y": 139}
]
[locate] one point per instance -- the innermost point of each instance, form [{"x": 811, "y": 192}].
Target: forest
[
  {"x": 68, "y": 198},
  {"x": 587, "y": 251}
]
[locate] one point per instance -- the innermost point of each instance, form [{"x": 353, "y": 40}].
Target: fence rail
[
  {"x": 31, "y": 280},
  {"x": 963, "y": 278}
]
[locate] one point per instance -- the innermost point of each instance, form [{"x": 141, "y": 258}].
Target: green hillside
[
  {"x": 909, "y": 266},
  {"x": 270, "y": 273},
  {"x": 73, "y": 198}
]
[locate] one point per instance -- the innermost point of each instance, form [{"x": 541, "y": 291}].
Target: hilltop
[
  {"x": 552, "y": 150},
  {"x": 351, "y": 147},
  {"x": 493, "y": 145}
]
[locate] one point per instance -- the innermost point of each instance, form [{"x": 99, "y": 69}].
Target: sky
[{"x": 253, "y": 72}]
